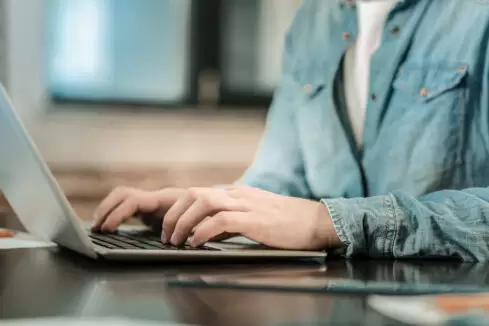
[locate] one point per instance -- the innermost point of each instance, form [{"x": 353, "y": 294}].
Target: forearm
[{"x": 445, "y": 224}]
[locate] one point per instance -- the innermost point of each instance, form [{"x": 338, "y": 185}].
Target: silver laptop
[{"x": 41, "y": 206}]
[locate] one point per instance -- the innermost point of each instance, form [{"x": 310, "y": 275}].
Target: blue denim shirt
[{"x": 415, "y": 189}]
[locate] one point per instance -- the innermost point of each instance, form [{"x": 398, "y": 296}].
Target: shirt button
[
  {"x": 423, "y": 92},
  {"x": 462, "y": 68},
  {"x": 346, "y": 36},
  {"x": 396, "y": 30},
  {"x": 373, "y": 97},
  {"x": 307, "y": 88}
]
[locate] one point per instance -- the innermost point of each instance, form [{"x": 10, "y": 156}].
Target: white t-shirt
[{"x": 372, "y": 15}]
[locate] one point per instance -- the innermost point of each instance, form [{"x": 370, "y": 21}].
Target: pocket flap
[
  {"x": 311, "y": 79},
  {"x": 426, "y": 81}
]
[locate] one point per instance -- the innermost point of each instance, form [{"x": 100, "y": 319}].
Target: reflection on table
[{"x": 46, "y": 283}]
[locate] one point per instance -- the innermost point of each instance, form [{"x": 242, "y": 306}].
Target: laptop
[{"x": 38, "y": 201}]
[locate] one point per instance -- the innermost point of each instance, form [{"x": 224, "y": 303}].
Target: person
[{"x": 376, "y": 143}]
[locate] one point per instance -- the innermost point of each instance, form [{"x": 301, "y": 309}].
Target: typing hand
[
  {"x": 203, "y": 214},
  {"x": 124, "y": 203}
]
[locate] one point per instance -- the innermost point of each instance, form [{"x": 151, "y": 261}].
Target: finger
[
  {"x": 208, "y": 204},
  {"x": 195, "y": 227},
  {"x": 171, "y": 217},
  {"x": 220, "y": 224},
  {"x": 114, "y": 199},
  {"x": 198, "y": 211},
  {"x": 120, "y": 214}
]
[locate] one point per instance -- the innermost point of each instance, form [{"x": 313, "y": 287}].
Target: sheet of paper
[
  {"x": 23, "y": 240},
  {"x": 447, "y": 309}
]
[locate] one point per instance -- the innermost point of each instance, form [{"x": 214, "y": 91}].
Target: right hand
[{"x": 124, "y": 203}]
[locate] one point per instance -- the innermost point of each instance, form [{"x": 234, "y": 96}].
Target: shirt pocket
[
  {"x": 308, "y": 83},
  {"x": 426, "y": 82},
  {"x": 421, "y": 136}
]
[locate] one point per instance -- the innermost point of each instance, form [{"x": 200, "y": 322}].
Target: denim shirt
[{"x": 415, "y": 189}]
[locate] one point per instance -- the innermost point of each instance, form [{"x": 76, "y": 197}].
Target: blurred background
[{"x": 145, "y": 93}]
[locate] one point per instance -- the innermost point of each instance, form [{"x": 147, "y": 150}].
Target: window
[
  {"x": 252, "y": 43},
  {"x": 172, "y": 52}
]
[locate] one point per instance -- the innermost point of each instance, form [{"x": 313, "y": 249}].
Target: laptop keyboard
[{"x": 131, "y": 241}]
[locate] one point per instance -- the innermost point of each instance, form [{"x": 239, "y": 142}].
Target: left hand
[{"x": 270, "y": 219}]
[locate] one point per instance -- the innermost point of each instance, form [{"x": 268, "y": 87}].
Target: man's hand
[
  {"x": 123, "y": 203},
  {"x": 204, "y": 214},
  {"x": 200, "y": 215}
]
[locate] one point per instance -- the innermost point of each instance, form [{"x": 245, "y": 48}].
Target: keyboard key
[{"x": 105, "y": 245}]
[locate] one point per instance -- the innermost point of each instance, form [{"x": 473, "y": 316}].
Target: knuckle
[
  {"x": 121, "y": 190},
  {"x": 206, "y": 203},
  {"x": 132, "y": 200},
  {"x": 233, "y": 192},
  {"x": 131, "y": 205},
  {"x": 193, "y": 193},
  {"x": 221, "y": 219}
]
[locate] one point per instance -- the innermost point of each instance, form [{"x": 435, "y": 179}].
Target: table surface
[{"x": 56, "y": 282}]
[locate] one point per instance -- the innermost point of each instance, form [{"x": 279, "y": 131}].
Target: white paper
[
  {"x": 24, "y": 240},
  {"x": 408, "y": 309}
]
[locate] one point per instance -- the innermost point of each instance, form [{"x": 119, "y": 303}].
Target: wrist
[{"x": 325, "y": 231}]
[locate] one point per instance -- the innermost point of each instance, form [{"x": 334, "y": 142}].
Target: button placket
[
  {"x": 395, "y": 30},
  {"x": 349, "y": 24}
]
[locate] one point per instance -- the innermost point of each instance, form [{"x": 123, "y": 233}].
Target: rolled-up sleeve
[{"x": 446, "y": 224}]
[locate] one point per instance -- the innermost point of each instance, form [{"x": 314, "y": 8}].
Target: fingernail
[
  {"x": 192, "y": 242},
  {"x": 163, "y": 238}
]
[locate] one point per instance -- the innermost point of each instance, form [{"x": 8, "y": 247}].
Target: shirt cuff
[{"x": 365, "y": 226}]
